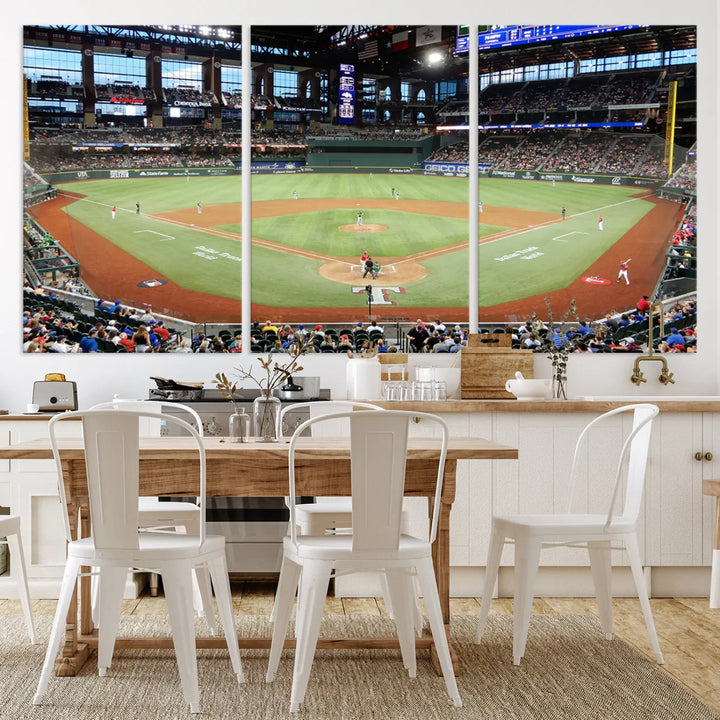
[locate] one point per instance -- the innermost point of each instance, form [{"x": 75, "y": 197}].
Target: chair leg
[
  {"x": 206, "y": 607},
  {"x": 715, "y": 579},
  {"x": 428, "y": 585},
  {"x": 67, "y": 590},
  {"x": 111, "y": 582},
  {"x": 527, "y": 558},
  {"x": 495, "y": 549},
  {"x": 417, "y": 612},
  {"x": 398, "y": 582},
  {"x": 633, "y": 551},
  {"x": 387, "y": 598},
  {"x": 600, "y": 565},
  {"x": 311, "y": 604},
  {"x": 95, "y": 595},
  {"x": 217, "y": 568},
  {"x": 17, "y": 558},
  {"x": 202, "y": 590},
  {"x": 286, "y": 588},
  {"x": 177, "y": 582},
  {"x": 284, "y": 599}
]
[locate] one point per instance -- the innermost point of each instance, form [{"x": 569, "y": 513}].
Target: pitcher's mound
[{"x": 366, "y": 228}]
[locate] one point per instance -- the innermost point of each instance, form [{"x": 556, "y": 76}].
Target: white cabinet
[
  {"x": 679, "y": 519},
  {"x": 29, "y": 488}
]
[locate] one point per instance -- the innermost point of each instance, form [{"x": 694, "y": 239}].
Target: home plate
[{"x": 596, "y": 280}]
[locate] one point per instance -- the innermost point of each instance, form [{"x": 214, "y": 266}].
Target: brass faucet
[{"x": 665, "y": 375}]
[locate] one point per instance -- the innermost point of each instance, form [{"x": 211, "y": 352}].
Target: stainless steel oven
[{"x": 253, "y": 527}]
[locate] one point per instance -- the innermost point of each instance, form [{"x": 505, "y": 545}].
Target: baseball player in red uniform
[{"x": 623, "y": 273}]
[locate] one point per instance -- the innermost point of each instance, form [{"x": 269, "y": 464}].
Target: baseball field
[{"x": 186, "y": 259}]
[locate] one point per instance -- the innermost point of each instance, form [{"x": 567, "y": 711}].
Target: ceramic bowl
[{"x": 535, "y": 389}]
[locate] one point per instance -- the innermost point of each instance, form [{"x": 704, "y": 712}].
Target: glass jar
[
  {"x": 239, "y": 427},
  {"x": 266, "y": 416}
]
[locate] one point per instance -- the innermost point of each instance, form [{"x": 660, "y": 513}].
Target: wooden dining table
[{"x": 169, "y": 467}]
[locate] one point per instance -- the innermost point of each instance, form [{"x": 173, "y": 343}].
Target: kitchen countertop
[
  {"x": 598, "y": 404},
  {"x": 575, "y": 405}
]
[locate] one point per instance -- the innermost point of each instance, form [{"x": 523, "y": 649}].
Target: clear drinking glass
[{"x": 439, "y": 390}]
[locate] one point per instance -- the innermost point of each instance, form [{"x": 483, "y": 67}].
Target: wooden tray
[{"x": 486, "y": 369}]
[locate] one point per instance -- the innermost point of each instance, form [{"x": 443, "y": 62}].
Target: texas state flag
[{"x": 400, "y": 41}]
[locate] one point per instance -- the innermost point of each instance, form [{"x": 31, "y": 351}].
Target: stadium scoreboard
[{"x": 493, "y": 37}]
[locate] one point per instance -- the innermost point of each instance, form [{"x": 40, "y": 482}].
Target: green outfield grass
[
  {"x": 199, "y": 260},
  {"x": 319, "y": 231}
]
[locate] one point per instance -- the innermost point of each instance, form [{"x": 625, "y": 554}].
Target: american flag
[{"x": 367, "y": 50}]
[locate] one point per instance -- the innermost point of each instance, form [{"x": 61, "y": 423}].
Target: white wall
[{"x": 98, "y": 377}]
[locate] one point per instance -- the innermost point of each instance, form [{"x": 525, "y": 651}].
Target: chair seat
[
  {"x": 564, "y": 524},
  {"x": 154, "y": 547},
  {"x": 314, "y": 518},
  {"x": 152, "y": 504},
  {"x": 153, "y": 513},
  {"x": 339, "y": 548}
]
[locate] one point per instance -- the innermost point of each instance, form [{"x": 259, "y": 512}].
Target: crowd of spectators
[
  {"x": 52, "y": 324},
  {"x": 533, "y": 150},
  {"x": 367, "y": 133},
  {"x": 182, "y": 95},
  {"x": 579, "y": 152},
  {"x": 587, "y": 151},
  {"x": 123, "y": 92},
  {"x": 623, "y": 156},
  {"x": 436, "y": 337},
  {"x": 30, "y": 178},
  {"x": 685, "y": 177},
  {"x": 56, "y": 88},
  {"x": 575, "y": 92},
  {"x": 621, "y": 332}
]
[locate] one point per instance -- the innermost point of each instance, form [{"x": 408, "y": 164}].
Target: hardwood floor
[{"x": 689, "y": 631}]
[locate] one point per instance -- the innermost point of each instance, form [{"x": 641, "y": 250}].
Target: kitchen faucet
[{"x": 665, "y": 375}]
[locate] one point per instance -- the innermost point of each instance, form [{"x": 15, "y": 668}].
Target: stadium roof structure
[{"x": 317, "y": 46}]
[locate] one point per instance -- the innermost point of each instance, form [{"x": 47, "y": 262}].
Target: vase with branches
[
  {"x": 266, "y": 407},
  {"x": 556, "y": 344}
]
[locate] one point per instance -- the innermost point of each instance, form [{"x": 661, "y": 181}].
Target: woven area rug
[{"x": 569, "y": 671}]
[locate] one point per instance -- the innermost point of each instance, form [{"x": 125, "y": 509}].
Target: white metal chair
[
  {"x": 331, "y": 514},
  {"x": 596, "y": 532},
  {"x": 378, "y": 459},
  {"x": 111, "y": 442},
  {"x": 10, "y": 529},
  {"x": 325, "y": 514},
  {"x": 154, "y": 514}
]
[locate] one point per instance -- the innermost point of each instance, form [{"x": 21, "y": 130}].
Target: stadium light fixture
[{"x": 434, "y": 58}]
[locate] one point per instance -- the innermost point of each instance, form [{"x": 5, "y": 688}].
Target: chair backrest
[
  {"x": 317, "y": 408},
  {"x": 633, "y": 456},
  {"x": 156, "y": 408},
  {"x": 111, "y": 440},
  {"x": 378, "y": 450}
]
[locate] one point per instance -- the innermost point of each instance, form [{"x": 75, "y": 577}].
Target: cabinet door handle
[
  {"x": 698, "y": 456},
  {"x": 708, "y": 456}
]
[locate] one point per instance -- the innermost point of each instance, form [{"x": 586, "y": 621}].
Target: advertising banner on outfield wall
[
  {"x": 462, "y": 169},
  {"x": 576, "y": 178},
  {"x": 123, "y": 174},
  {"x": 452, "y": 169}
]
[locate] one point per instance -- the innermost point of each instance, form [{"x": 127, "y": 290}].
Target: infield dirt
[{"x": 113, "y": 273}]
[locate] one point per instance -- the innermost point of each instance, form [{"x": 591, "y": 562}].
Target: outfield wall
[{"x": 350, "y": 163}]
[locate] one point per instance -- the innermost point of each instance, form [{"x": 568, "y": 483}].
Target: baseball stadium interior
[{"x": 383, "y": 111}]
